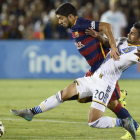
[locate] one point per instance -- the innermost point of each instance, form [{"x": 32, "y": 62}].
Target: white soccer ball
[{"x": 1, "y": 129}]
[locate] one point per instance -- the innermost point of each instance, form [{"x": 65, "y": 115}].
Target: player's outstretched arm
[
  {"x": 106, "y": 28},
  {"x": 97, "y": 35}
]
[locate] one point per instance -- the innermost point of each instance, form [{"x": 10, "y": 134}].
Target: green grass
[{"x": 66, "y": 122}]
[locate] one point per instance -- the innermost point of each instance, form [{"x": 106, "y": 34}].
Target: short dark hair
[
  {"x": 137, "y": 26},
  {"x": 65, "y": 9}
]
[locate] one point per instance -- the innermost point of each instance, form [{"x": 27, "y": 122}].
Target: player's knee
[
  {"x": 112, "y": 105},
  {"x": 63, "y": 95},
  {"x": 94, "y": 124},
  {"x": 59, "y": 96}
]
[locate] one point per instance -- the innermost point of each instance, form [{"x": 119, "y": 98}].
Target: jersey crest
[
  {"x": 127, "y": 50},
  {"x": 76, "y": 34}
]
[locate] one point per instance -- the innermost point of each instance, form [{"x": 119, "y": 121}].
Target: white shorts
[{"x": 100, "y": 91}]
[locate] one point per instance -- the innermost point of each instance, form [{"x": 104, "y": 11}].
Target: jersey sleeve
[{"x": 85, "y": 24}]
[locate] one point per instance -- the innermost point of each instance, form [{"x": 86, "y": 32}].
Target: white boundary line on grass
[
  {"x": 36, "y": 137},
  {"x": 54, "y": 121}
]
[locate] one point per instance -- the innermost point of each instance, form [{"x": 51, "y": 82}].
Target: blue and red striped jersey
[{"x": 88, "y": 46}]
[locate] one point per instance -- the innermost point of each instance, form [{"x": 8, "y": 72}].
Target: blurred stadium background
[
  {"x": 34, "y": 46},
  {"x": 30, "y": 33}
]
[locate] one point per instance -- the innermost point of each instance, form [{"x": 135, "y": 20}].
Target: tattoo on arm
[{"x": 104, "y": 41}]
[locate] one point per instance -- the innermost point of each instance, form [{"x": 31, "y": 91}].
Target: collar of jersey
[
  {"x": 132, "y": 44},
  {"x": 75, "y": 21}
]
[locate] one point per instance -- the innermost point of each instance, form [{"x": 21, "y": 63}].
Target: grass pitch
[{"x": 66, "y": 122}]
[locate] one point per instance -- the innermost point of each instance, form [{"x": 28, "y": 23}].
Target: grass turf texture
[{"x": 66, "y": 122}]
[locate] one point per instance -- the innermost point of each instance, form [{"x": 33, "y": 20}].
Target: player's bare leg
[
  {"x": 113, "y": 105},
  {"x": 94, "y": 114},
  {"x": 69, "y": 93},
  {"x": 97, "y": 121}
]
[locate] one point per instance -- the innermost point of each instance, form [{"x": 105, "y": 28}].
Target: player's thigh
[
  {"x": 79, "y": 87},
  {"x": 94, "y": 114},
  {"x": 69, "y": 92}
]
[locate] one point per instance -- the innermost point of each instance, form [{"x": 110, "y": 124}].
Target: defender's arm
[
  {"x": 99, "y": 36},
  {"x": 106, "y": 28}
]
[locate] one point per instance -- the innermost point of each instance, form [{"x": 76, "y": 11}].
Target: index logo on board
[{"x": 39, "y": 61}]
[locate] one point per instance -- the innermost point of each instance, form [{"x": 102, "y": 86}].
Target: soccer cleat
[
  {"x": 128, "y": 135},
  {"x": 26, "y": 114},
  {"x": 128, "y": 124},
  {"x": 138, "y": 131},
  {"x": 122, "y": 98}
]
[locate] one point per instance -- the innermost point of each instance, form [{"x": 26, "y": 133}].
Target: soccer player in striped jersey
[
  {"x": 97, "y": 86},
  {"x": 91, "y": 49}
]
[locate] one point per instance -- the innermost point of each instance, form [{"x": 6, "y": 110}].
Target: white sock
[
  {"x": 103, "y": 122},
  {"x": 48, "y": 104}
]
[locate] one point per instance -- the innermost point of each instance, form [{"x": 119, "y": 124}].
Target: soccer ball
[{"x": 1, "y": 129}]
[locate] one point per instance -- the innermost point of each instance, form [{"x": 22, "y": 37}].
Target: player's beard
[
  {"x": 132, "y": 42},
  {"x": 129, "y": 41},
  {"x": 69, "y": 26}
]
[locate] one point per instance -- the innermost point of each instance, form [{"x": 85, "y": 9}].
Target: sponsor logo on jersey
[
  {"x": 76, "y": 34},
  {"x": 79, "y": 45},
  {"x": 93, "y": 24},
  {"x": 127, "y": 50}
]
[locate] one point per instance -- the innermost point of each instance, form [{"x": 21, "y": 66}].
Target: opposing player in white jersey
[{"x": 100, "y": 86}]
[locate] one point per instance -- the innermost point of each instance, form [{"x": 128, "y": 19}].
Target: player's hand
[
  {"x": 138, "y": 53},
  {"x": 115, "y": 54},
  {"x": 91, "y": 32}
]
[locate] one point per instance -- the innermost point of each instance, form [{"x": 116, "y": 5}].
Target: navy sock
[{"x": 123, "y": 113}]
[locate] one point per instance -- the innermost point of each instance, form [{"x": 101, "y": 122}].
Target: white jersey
[
  {"x": 102, "y": 83},
  {"x": 110, "y": 70}
]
